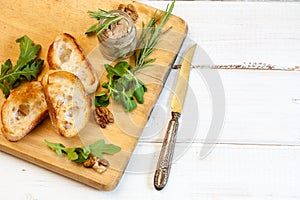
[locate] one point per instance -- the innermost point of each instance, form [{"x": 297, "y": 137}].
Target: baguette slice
[
  {"x": 66, "y": 54},
  {"x": 23, "y": 110},
  {"x": 68, "y": 103}
]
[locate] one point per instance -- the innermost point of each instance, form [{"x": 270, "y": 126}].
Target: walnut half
[
  {"x": 130, "y": 10},
  {"x": 100, "y": 165},
  {"x": 103, "y": 116}
]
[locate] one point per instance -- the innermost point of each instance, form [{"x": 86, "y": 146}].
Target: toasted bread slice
[
  {"x": 23, "y": 110},
  {"x": 68, "y": 103},
  {"x": 66, "y": 54}
]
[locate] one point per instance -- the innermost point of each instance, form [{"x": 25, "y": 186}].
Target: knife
[{"x": 165, "y": 158}]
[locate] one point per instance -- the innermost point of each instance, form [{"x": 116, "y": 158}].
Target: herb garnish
[
  {"x": 149, "y": 38},
  {"x": 123, "y": 85},
  {"x": 27, "y": 68},
  {"x": 102, "y": 14},
  {"x": 81, "y": 154}
]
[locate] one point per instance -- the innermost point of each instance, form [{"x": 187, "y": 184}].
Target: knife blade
[{"x": 165, "y": 158}]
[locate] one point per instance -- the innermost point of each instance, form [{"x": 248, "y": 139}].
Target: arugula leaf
[
  {"x": 6, "y": 66},
  {"x": 123, "y": 86},
  {"x": 101, "y": 99},
  {"x": 139, "y": 92},
  {"x": 28, "y": 51},
  {"x": 99, "y": 147},
  {"x": 125, "y": 100},
  {"x": 71, "y": 154},
  {"x": 31, "y": 70},
  {"x": 86, "y": 150},
  {"x": 81, "y": 154},
  {"x": 4, "y": 89},
  {"x": 58, "y": 148},
  {"x": 110, "y": 70},
  {"x": 27, "y": 68},
  {"x": 122, "y": 68},
  {"x": 78, "y": 154}
]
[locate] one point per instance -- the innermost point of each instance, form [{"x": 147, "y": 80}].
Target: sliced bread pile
[
  {"x": 67, "y": 88},
  {"x": 63, "y": 93}
]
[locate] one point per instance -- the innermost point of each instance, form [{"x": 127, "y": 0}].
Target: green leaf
[
  {"x": 57, "y": 147},
  {"x": 110, "y": 18},
  {"x": 6, "y": 67},
  {"x": 92, "y": 29},
  {"x": 110, "y": 70},
  {"x": 130, "y": 105},
  {"x": 139, "y": 93},
  {"x": 99, "y": 148},
  {"x": 105, "y": 85},
  {"x": 101, "y": 14},
  {"x": 123, "y": 86},
  {"x": 85, "y": 151},
  {"x": 122, "y": 68},
  {"x": 101, "y": 99},
  {"x": 126, "y": 101},
  {"x": 31, "y": 70},
  {"x": 81, "y": 154},
  {"x": 5, "y": 90},
  {"x": 28, "y": 51},
  {"x": 151, "y": 60},
  {"x": 71, "y": 154},
  {"x": 82, "y": 157},
  {"x": 27, "y": 68},
  {"x": 150, "y": 37},
  {"x": 123, "y": 83}
]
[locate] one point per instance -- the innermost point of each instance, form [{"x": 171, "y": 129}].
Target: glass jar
[{"x": 119, "y": 40}]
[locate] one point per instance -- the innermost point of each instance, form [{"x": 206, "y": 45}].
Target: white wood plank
[
  {"x": 262, "y": 107},
  {"x": 230, "y": 172},
  {"x": 237, "y": 32}
]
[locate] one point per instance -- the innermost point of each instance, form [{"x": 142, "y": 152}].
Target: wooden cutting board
[{"x": 42, "y": 20}]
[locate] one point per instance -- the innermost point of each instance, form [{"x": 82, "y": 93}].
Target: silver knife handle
[{"x": 166, "y": 154}]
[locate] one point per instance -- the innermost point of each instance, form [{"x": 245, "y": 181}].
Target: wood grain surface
[{"x": 42, "y": 21}]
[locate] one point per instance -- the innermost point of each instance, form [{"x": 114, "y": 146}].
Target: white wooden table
[{"x": 257, "y": 155}]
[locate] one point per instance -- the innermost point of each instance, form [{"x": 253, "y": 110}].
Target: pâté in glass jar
[{"x": 118, "y": 41}]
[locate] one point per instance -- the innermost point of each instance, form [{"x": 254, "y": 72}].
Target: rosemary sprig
[
  {"x": 149, "y": 38},
  {"x": 102, "y": 14}
]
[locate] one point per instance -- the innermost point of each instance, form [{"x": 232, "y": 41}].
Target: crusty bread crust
[
  {"x": 68, "y": 103},
  {"x": 23, "y": 110},
  {"x": 66, "y": 54}
]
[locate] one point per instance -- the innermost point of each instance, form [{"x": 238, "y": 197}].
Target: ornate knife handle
[{"x": 165, "y": 158}]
